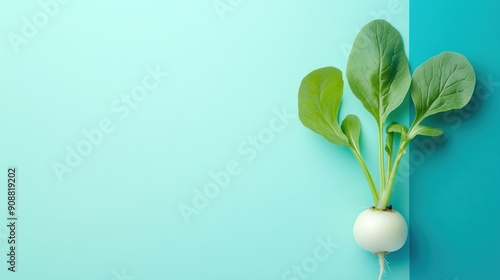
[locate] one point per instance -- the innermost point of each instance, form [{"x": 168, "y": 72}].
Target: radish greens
[{"x": 378, "y": 74}]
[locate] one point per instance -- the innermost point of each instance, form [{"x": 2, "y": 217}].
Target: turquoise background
[
  {"x": 455, "y": 187},
  {"x": 232, "y": 78}
]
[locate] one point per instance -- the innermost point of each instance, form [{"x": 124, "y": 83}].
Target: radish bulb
[{"x": 380, "y": 232}]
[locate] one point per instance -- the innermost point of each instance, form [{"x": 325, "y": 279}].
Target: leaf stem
[
  {"x": 381, "y": 156},
  {"x": 386, "y": 195},
  {"x": 368, "y": 176},
  {"x": 388, "y": 169}
]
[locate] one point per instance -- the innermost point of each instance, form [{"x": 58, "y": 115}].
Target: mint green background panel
[
  {"x": 455, "y": 182},
  {"x": 160, "y": 140}
]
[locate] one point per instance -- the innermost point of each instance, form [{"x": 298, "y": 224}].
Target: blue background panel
[
  {"x": 455, "y": 182},
  {"x": 119, "y": 116}
]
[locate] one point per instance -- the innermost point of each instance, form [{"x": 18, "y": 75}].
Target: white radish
[{"x": 380, "y": 232}]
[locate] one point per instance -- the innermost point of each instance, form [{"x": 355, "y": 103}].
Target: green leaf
[
  {"x": 397, "y": 128},
  {"x": 424, "y": 131},
  {"x": 389, "y": 143},
  {"x": 391, "y": 129},
  {"x": 351, "y": 126},
  {"x": 442, "y": 83},
  {"x": 377, "y": 69},
  {"x": 320, "y": 94}
]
